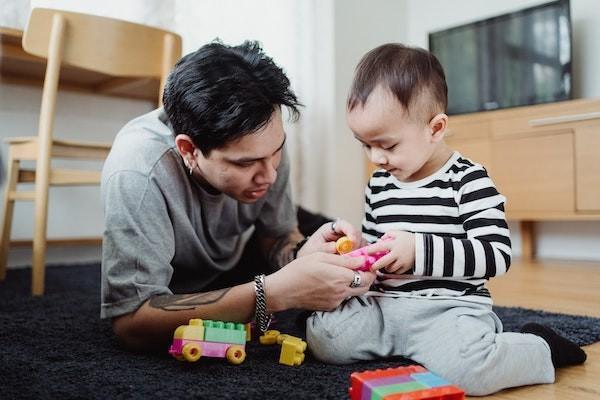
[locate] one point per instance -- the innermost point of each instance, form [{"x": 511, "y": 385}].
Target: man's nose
[{"x": 268, "y": 174}]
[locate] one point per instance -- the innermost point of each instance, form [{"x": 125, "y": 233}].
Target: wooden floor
[{"x": 566, "y": 287}]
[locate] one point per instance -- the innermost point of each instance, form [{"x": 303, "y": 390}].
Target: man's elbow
[
  {"x": 129, "y": 333},
  {"x": 124, "y": 328}
]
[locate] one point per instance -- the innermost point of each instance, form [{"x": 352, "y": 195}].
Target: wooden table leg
[{"x": 527, "y": 241}]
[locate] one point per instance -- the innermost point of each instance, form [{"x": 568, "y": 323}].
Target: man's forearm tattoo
[{"x": 177, "y": 302}]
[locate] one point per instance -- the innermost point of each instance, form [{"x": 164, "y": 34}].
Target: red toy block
[{"x": 403, "y": 383}]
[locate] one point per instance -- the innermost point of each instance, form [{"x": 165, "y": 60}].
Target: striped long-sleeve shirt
[{"x": 457, "y": 215}]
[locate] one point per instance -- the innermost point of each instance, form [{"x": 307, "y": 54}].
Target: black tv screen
[{"x": 515, "y": 59}]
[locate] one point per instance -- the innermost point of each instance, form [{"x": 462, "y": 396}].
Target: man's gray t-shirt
[{"x": 164, "y": 233}]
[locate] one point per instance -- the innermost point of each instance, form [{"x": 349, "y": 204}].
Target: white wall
[
  {"x": 158, "y": 13},
  {"x": 287, "y": 31},
  {"x": 563, "y": 240},
  {"x": 358, "y": 27},
  {"x": 13, "y": 14}
]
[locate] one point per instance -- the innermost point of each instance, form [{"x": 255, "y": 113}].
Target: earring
[{"x": 188, "y": 164}]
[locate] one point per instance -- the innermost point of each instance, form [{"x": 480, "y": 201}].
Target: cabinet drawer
[
  {"x": 476, "y": 150},
  {"x": 538, "y": 120},
  {"x": 536, "y": 173}
]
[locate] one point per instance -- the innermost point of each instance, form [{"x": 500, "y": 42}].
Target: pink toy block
[{"x": 370, "y": 259}]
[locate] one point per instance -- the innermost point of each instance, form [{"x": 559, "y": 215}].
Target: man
[{"x": 184, "y": 190}]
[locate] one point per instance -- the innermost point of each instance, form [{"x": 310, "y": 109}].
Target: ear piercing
[{"x": 188, "y": 163}]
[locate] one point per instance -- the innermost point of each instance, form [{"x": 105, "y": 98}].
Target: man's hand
[
  {"x": 401, "y": 256},
  {"x": 323, "y": 240},
  {"x": 317, "y": 281}
]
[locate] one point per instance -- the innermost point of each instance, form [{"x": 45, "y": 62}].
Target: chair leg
[
  {"x": 39, "y": 233},
  {"x": 9, "y": 203}
]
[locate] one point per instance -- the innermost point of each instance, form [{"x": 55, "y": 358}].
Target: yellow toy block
[
  {"x": 269, "y": 337},
  {"x": 248, "y": 332},
  {"x": 292, "y": 352},
  {"x": 193, "y": 331},
  {"x": 285, "y": 336},
  {"x": 344, "y": 245}
]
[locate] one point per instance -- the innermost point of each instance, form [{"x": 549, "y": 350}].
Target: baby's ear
[{"x": 438, "y": 125}]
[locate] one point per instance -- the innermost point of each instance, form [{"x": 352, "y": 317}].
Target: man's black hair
[{"x": 220, "y": 93}]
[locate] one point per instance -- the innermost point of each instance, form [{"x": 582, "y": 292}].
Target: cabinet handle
[{"x": 563, "y": 118}]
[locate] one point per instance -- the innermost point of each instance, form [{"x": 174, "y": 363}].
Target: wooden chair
[{"x": 116, "y": 48}]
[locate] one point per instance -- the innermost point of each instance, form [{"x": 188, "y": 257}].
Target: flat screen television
[{"x": 515, "y": 59}]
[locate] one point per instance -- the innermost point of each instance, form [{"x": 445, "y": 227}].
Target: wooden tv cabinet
[{"x": 545, "y": 159}]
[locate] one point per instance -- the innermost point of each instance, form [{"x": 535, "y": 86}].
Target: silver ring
[
  {"x": 356, "y": 281},
  {"x": 333, "y": 225}
]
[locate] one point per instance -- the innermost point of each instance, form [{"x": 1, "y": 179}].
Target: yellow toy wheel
[
  {"x": 191, "y": 352},
  {"x": 236, "y": 355}
]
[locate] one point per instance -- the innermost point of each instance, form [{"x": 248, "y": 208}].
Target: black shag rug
[{"x": 56, "y": 347}]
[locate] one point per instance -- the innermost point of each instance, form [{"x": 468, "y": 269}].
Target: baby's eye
[
  {"x": 365, "y": 146},
  {"x": 390, "y": 147}
]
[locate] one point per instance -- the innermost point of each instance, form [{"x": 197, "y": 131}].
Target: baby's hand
[{"x": 401, "y": 256}]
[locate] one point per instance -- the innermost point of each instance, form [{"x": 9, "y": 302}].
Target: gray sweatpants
[{"x": 461, "y": 341}]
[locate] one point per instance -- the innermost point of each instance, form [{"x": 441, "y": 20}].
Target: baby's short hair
[{"x": 413, "y": 75}]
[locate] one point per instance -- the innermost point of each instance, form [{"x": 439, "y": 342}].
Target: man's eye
[{"x": 244, "y": 164}]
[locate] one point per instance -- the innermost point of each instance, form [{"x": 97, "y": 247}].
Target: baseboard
[{"x": 79, "y": 241}]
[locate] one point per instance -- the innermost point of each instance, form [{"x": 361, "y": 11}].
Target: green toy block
[
  {"x": 224, "y": 332},
  {"x": 382, "y": 391}
]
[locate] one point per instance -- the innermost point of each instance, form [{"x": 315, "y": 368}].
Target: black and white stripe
[{"x": 462, "y": 237}]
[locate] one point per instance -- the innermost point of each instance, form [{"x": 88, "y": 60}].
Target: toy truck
[
  {"x": 210, "y": 339},
  {"x": 403, "y": 383}
]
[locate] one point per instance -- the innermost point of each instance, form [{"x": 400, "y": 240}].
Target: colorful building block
[
  {"x": 248, "y": 332},
  {"x": 269, "y": 337},
  {"x": 402, "y": 383},
  {"x": 193, "y": 331},
  {"x": 292, "y": 347},
  {"x": 370, "y": 259},
  {"x": 224, "y": 332},
  {"x": 209, "y": 339},
  {"x": 292, "y": 352},
  {"x": 284, "y": 336},
  {"x": 344, "y": 246}
]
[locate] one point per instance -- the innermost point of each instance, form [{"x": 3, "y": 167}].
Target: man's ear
[
  {"x": 186, "y": 148},
  {"x": 437, "y": 126}
]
